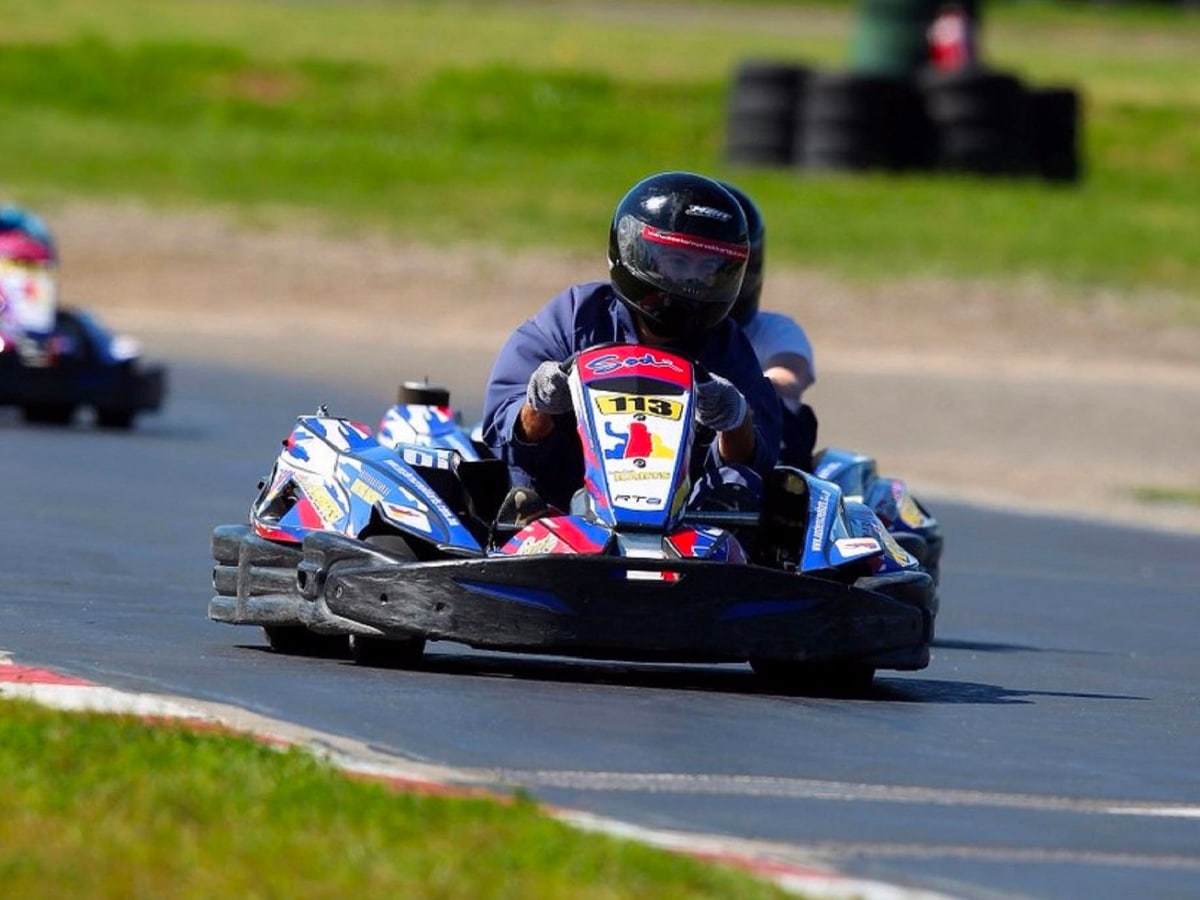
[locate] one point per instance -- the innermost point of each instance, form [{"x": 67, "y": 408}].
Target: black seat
[{"x": 472, "y": 488}]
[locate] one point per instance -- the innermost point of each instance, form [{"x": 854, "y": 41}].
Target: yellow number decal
[{"x": 627, "y": 404}]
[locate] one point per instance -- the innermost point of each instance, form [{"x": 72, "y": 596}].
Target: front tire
[
  {"x": 49, "y": 413},
  {"x": 296, "y": 640},
  {"x": 815, "y": 679},
  {"x": 388, "y": 653}
]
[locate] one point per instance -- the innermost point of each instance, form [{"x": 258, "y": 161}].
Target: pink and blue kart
[{"x": 376, "y": 547}]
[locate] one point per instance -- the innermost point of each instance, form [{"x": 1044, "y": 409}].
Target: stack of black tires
[
  {"x": 974, "y": 120},
  {"x": 762, "y": 113}
]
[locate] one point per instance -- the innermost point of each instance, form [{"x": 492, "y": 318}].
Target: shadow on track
[
  {"x": 730, "y": 678},
  {"x": 996, "y": 647}
]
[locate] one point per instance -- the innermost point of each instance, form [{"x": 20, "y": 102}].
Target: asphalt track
[{"x": 1050, "y": 750}]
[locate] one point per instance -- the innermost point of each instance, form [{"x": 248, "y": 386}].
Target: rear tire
[
  {"x": 296, "y": 640},
  {"x": 421, "y": 394},
  {"x": 116, "y": 419},
  {"x": 816, "y": 679},
  {"x": 49, "y": 413}
]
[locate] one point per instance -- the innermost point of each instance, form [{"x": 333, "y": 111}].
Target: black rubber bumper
[
  {"x": 622, "y": 608},
  {"x": 255, "y": 584}
]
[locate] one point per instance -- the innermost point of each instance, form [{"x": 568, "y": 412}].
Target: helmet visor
[{"x": 684, "y": 265}]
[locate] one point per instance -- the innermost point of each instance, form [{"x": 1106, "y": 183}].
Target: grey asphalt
[{"x": 1050, "y": 750}]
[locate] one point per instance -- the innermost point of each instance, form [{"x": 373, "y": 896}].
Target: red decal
[{"x": 676, "y": 239}]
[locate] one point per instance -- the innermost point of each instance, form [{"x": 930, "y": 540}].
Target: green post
[{"x": 890, "y": 37}]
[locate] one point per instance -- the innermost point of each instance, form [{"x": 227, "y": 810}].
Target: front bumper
[{"x": 622, "y": 608}]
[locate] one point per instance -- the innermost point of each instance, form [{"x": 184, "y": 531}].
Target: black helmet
[
  {"x": 677, "y": 252},
  {"x": 747, "y": 302}
]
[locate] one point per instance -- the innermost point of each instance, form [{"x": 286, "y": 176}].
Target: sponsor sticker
[
  {"x": 612, "y": 362},
  {"x": 822, "y": 514},
  {"x": 370, "y": 495},
  {"x": 408, "y": 516},
  {"x": 533, "y": 545},
  {"x": 639, "y": 475},
  {"x": 861, "y": 546},
  {"x": 322, "y": 500}
]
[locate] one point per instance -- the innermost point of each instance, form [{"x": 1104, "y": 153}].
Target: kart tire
[
  {"x": 419, "y": 393},
  {"x": 116, "y": 419},
  {"x": 296, "y": 640},
  {"x": 387, "y": 653},
  {"x": 48, "y": 413},
  {"x": 815, "y": 679},
  {"x": 1054, "y": 115}
]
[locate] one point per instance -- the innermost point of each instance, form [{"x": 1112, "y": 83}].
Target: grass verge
[{"x": 110, "y": 806}]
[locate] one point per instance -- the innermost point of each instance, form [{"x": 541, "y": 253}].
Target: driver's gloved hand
[
  {"x": 549, "y": 391},
  {"x": 719, "y": 405}
]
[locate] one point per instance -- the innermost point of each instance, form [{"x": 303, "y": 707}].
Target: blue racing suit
[{"x": 580, "y": 317}]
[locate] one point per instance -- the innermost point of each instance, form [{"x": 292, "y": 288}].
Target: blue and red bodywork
[{"x": 332, "y": 475}]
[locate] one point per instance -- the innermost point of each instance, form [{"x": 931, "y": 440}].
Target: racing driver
[
  {"x": 677, "y": 251},
  {"x": 28, "y": 283},
  {"x": 781, "y": 343}
]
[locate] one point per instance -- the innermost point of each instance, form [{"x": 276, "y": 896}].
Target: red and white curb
[{"x": 762, "y": 859}]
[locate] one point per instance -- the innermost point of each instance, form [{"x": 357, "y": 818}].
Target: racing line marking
[{"x": 814, "y": 789}]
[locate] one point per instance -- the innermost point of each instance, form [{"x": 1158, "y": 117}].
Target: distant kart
[
  {"x": 385, "y": 548},
  {"x": 80, "y": 364}
]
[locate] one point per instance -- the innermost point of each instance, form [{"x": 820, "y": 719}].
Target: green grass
[
  {"x": 521, "y": 123},
  {"x": 1167, "y": 496},
  {"x": 103, "y": 806}
]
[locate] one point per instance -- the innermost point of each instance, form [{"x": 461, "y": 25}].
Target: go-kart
[
  {"x": 385, "y": 548},
  {"x": 79, "y": 364},
  {"x": 423, "y": 415},
  {"x": 904, "y": 516}
]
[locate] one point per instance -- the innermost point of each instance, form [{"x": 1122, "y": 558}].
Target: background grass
[
  {"x": 521, "y": 123},
  {"x": 107, "y": 806}
]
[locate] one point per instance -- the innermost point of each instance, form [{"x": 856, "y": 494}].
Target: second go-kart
[
  {"x": 388, "y": 547},
  {"x": 79, "y": 364}
]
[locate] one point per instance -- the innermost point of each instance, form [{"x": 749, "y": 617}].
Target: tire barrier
[
  {"x": 1054, "y": 117},
  {"x": 859, "y": 122},
  {"x": 973, "y": 120},
  {"x": 764, "y": 104},
  {"x": 980, "y": 118}
]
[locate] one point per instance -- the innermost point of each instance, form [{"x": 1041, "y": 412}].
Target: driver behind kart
[
  {"x": 677, "y": 252},
  {"x": 782, "y": 346},
  {"x": 28, "y": 281}
]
